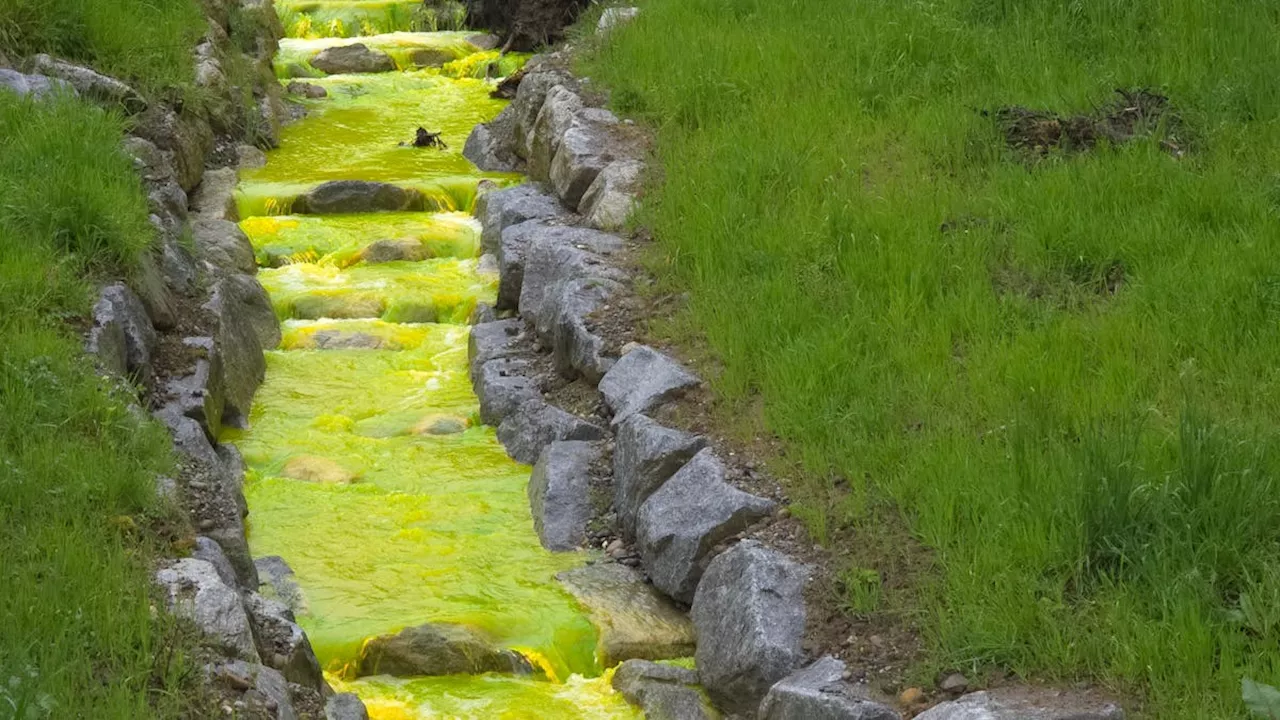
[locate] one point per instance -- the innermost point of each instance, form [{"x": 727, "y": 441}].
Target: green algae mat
[{"x": 368, "y": 469}]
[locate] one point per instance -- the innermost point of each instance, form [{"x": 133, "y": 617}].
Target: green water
[{"x": 368, "y": 469}]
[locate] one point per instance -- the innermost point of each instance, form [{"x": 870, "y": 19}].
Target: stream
[{"x": 369, "y": 472}]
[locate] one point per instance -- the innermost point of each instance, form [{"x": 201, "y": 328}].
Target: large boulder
[
  {"x": 749, "y": 615},
  {"x": 587, "y": 147},
  {"x": 500, "y": 209},
  {"x": 663, "y": 692},
  {"x": 491, "y": 145},
  {"x": 559, "y": 493},
  {"x": 148, "y": 282},
  {"x": 354, "y": 58},
  {"x": 554, "y": 118},
  {"x": 611, "y": 197},
  {"x": 496, "y": 339},
  {"x": 92, "y": 84},
  {"x": 503, "y": 385},
  {"x": 186, "y": 136},
  {"x": 576, "y": 350},
  {"x": 680, "y": 523},
  {"x": 122, "y": 335},
  {"x": 558, "y": 255},
  {"x": 819, "y": 692},
  {"x": 193, "y": 591},
  {"x": 437, "y": 649},
  {"x": 641, "y": 380},
  {"x": 240, "y": 318},
  {"x": 358, "y": 196},
  {"x": 282, "y": 644},
  {"x": 634, "y": 620},
  {"x": 224, "y": 246},
  {"x": 535, "y": 425},
  {"x": 215, "y": 197},
  {"x": 1026, "y": 703},
  {"x": 645, "y": 455},
  {"x": 528, "y": 102}
]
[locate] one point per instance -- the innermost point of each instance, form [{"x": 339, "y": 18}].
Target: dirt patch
[{"x": 1131, "y": 114}]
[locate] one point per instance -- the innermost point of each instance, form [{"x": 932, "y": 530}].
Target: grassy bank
[
  {"x": 77, "y": 470},
  {"x": 1059, "y": 368}
]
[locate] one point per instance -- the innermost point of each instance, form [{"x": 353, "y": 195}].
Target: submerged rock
[
  {"x": 611, "y": 198},
  {"x": 383, "y": 251},
  {"x": 503, "y": 385},
  {"x": 354, "y": 58},
  {"x": 819, "y": 692},
  {"x": 634, "y": 620},
  {"x": 306, "y": 90},
  {"x": 437, "y": 649},
  {"x": 358, "y": 196},
  {"x": 92, "y": 84},
  {"x": 559, "y": 494},
  {"x": 749, "y": 614},
  {"x": 664, "y": 692},
  {"x": 196, "y": 593},
  {"x": 535, "y": 425},
  {"x": 645, "y": 455},
  {"x": 441, "y": 425},
  {"x": 682, "y": 521},
  {"x": 1026, "y": 703},
  {"x": 643, "y": 379},
  {"x": 312, "y": 468}
]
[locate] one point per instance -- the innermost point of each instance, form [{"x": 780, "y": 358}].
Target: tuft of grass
[
  {"x": 148, "y": 43},
  {"x": 1061, "y": 372},
  {"x": 79, "y": 636}
]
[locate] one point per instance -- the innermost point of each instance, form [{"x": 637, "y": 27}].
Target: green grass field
[
  {"x": 78, "y": 508},
  {"x": 1059, "y": 371}
]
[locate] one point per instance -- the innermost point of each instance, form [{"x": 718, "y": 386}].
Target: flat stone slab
[
  {"x": 819, "y": 692},
  {"x": 664, "y": 692},
  {"x": 642, "y": 380},
  {"x": 645, "y": 455},
  {"x": 535, "y": 425},
  {"x": 749, "y": 614},
  {"x": 559, "y": 493},
  {"x": 635, "y": 621},
  {"x": 682, "y": 521},
  {"x": 1021, "y": 703}
]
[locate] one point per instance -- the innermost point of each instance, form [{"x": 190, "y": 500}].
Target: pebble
[
  {"x": 877, "y": 641},
  {"x": 954, "y": 683},
  {"x": 911, "y": 696},
  {"x": 615, "y": 548}
]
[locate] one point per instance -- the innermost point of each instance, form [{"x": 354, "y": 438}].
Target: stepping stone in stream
[
  {"x": 354, "y": 58},
  {"x": 438, "y": 649}
]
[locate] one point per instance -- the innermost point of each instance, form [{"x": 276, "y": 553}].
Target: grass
[
  {"x": 1060, "y": 371},
  {"x": 148, "y": 43},
  {"x": 78, "y": 505}
]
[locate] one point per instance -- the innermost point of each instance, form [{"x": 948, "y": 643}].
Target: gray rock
[
  {"x": 611, "y": 197},
  {"x": 437, "y": 649},
  {"x": 615, "y": 16},
  {"x": 242, "y": 323},
  {"x": 265, "y": 690},
  {"x": 664, "y": 692},
  {"x": 92, "y": 84},
  {"x": 186, "y": 136},
  {"x": 37, "y": 86},
  {"x": 200, "y": 393},
  {"x": 528, "y": 101},
  {"x": 484, "y": 41},
  {"x": 152, "y": 164},
  {"x": 510, "y": 256},
  {"x": 215, "y": 197},
  {"x": 634, "y": 620},
  {"x": 491, "y": 146},
  {"x": 559, "y": 494},
  {"x": 682, "y": 521},
  {"x": 645, "y": 455},
  {"x": 487, "y": 265},
  {"x": 383, "y": 251},
  {"x": 249, "y": 157},
  {"x": 954, "y": 683},
  {"x": 119, "y": 314},
  {"x": 643, "y": 379},
  {"x": 500, "y": 209},
  {"x": 431, "y": 57},
  {"x": 588, "y": 146},
  {"x": 358, "y": 196},
  {"x": 819, "y": 692},
  {"x": 196, "y": 593},
  {"x": 576, "y": 350},
  {"x": 107, "y": 344},
  {"x": 282, "y": 644},
  {"x": 345, "y": 706},
  {"x": 749, "y": 614},
  {"x": 223, "y": 245},
  {"x": 549, "y": 127},
  {"x": 306, "y": 90},
  {"x": 354, "y": 58},
  {"x": 558, "y": 255},
  {"x": 484, "y": 312},
  {"x": 503, "y": 385},
  {"x": 535, "y": 425},
  {"x": 279, "y": 583},
  {"x": 1026, "y": 703},
  {"x": 168, "y": 203},
  {"x": 177, "y": 265},
  {"x": 211, "y": 552},
  {"x": 493, "y": 340},
  {"x": 149, "y": 284}
]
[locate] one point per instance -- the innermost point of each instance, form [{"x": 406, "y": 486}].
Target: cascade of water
[{"x": 369, "y": 472}]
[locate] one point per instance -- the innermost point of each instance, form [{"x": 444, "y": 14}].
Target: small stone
[
  {"x": 954, "y": 683},
  {"x": 312, "y": 468},
  {"x": 911, "y": 696}
]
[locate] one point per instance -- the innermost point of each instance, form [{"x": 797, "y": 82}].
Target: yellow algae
[
  {"x": 353, "y": 335},
  {"x": 339, "y": 239},
  {"x": 339, "y": 18},
  {"x": 409, "y": 50},
  {"x": 479, "y": 65},
  {"x": 443, "y": 290},
  {"x": 491, "y": 697}
]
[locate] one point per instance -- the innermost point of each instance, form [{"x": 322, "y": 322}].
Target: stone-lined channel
[{"x": 369, "y": 473}]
